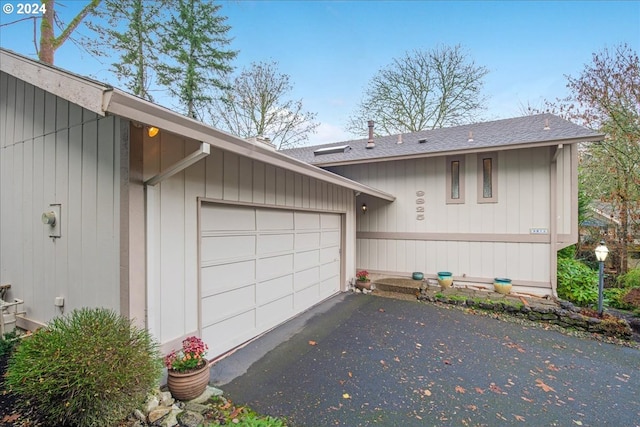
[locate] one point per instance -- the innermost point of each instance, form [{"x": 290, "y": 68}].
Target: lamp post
[{"x": 601, "y": 254}]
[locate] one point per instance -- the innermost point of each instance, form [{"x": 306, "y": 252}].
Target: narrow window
[
  {"x": 455, "y": 179},
  {"x": 487, "y": 178}
]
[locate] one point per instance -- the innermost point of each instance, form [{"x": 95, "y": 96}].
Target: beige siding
[
  {"x": 221, "y": 176},
  {"x": 473, "y": 240},
  {"x": 53, "y": 152}
]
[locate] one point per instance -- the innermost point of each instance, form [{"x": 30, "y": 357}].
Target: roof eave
[
  {"x": 517, "y": 146},
  {"x": 137, "y": 109}
]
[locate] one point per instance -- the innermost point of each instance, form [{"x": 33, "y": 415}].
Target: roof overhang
[
  {"x": 103, "y": 99},
  {"x": 515, "y": 146}
]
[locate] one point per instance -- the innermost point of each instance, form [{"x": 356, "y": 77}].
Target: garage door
[{"x": 260, "y": 267}]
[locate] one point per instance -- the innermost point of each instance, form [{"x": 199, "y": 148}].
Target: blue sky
[{"x": 331, "y": 49}]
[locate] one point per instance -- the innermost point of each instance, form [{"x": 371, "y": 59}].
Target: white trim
[{"x": 180, "y": 165}]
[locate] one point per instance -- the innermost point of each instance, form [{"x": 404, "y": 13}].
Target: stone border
[{"x": 556, "y": 312}]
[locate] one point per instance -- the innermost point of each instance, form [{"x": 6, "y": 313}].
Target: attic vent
[
  {"x": 331, "y": 150},
  {"x": 422, "y": 141}
]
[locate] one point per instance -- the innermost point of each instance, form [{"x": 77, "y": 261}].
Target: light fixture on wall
[
  {"x": 152, "y": 131},
  {"x": 364, "y": 208}
]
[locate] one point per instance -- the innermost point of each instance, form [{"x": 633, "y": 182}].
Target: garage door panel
[
  {"x": 218, "y": 278},
  {"x": 331, "y": 269},
  {"x": 308, "y": 259},
  {"x": 275, "y": 266},
  {"x": 218, "y": 307},
  {"x": 270, "y": 243},
  {"x": 330, "y": 238},
  {"x": 271, "y": 219},
  {"x": 329, "y": 287},
  {"x": 307, "y": 297},
  {"x": 275, "y": 312},
  {"x": 329, "y": 254},
  {"x": 227, "y": 247},
  {"x": 307, "y": 241},
  {"x": 223, "y": 218},
  {"x": 307, "y": 221},
  {"x": 306, "y": 277},
  {"x": 229, "y": 333},
  {"x": 329, "y": 221},
  {"x": 274, "y": 289}
]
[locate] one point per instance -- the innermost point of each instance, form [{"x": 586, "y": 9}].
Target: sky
[{"x": 331, "y": 49}]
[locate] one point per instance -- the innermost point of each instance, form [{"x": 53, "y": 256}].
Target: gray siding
[
  {"x": 474, "y": 240},
  {"x": 222, "y": 176},
  {"x": 52, "y": 151}
]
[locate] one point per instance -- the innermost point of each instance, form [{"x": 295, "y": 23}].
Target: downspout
[
  {"x": 153, "y": 230},
  {"x": 553, "y": 224}
]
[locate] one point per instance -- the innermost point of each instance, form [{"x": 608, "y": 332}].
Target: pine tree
[{"x": 194, "y": 41}]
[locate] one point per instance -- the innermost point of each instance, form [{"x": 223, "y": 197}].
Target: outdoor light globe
[{"x": 601, "y": 252}]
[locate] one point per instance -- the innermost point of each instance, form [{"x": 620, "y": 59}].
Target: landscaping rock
[
  {"x": 190, "y": 419},
  {"x": 157, "y": 413},
  {"x": 196, "y": 407}
]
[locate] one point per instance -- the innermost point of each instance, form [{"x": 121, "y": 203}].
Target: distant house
[{"x": 486, "y": 200}]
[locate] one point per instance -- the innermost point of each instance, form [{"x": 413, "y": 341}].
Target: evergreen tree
[{"x": 194, "y": 40}]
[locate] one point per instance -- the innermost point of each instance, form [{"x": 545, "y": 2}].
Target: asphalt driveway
[{"x": 360, "y": 360}]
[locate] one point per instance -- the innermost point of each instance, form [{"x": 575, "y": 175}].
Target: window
[
  {"x": 455, "y": 179},
  {"x": 487, "y": 178}
]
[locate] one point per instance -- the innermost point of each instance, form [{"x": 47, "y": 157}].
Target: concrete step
[{"x": 400, "y": 286}]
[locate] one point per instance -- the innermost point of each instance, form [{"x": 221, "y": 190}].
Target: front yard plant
[
  {"x": 89, "y": 368},
  {"x": 577, "y": 282}
]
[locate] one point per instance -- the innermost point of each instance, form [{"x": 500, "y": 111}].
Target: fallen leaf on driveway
[
  {"x": 519, "y": 417},
  {"x": 346, "y": 396},
  {"x": 312, "y": 343},
  {"x": 427, "y": 393},
  {"x": 460, "y": 389},
  {"x": 577, "y": 422},
  {"x": 543, "y": 386}
]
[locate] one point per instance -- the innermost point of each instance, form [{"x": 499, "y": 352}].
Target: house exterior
[
  {"x": 193, "y": 231},
  {"x": 486, "y": 200},
  {"x": 197, "y": 232}
]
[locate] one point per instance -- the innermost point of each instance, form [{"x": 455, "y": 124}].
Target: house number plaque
[{"x": 419, "y": 208}]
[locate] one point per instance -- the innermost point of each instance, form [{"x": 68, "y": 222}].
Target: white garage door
[{"x": 260, "y": 267}]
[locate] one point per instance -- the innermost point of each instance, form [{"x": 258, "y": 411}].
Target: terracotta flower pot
[
  {"x": 188, "y": 385},
  {"x": 363, "y": 284}
]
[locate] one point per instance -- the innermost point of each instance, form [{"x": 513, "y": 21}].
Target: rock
[
  {"x": 190, "y": 419},
  {"x": 166, "y": 399},
  {"x": 158, "y": 413},
  {"x": 171, "y": 420},
  {"x": 151, "y": 404},
  {"x": 139, "y": 415},
  {"x": 196, "y": 407},
  {"x": 208, "y": 393}
]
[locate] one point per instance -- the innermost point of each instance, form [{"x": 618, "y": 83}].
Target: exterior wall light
[
  {"x": 49, "y": 218},
  {"x": 152, "y": 131},
  {"x": 601, "y": 255},
  {"x": 364, "y": 208}
]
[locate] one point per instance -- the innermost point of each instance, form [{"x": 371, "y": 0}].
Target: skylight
[{"x": 331, "y": 150}]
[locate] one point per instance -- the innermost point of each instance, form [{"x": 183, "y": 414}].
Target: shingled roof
[{"x": 536, "y": 130}]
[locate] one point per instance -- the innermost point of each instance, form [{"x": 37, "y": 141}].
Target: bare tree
[
  {"x": 422, "y": 90},
  {"x": 256, "y": 105},
  {"x": 49, "y": 42}
]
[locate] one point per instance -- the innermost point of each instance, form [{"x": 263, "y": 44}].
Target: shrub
[
  {"x": 8, "y": 342},
  {"x": 577, "y": 282},
  {"x": 630, "y": 280},
  {"x": 90, "y": 368},
  {"x": 615, "y": 298}
]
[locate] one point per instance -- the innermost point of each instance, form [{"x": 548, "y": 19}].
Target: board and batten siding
[
  {"x": 220, "y": 177},
  {"x": 473, "y": 240},
  {"x": 53, "y": 151}
]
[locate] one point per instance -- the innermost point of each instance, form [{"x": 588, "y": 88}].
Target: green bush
[
  {"x": 630, "y": 280},
  {"x": 577, "y": 282},
  {"x": 90, "y": 368},
  {"x": 614, "y": 297},
  {"x": 8, "y": 342}
]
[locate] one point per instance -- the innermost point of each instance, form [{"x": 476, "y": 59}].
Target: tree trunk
[{"x": 47, "y": 39}]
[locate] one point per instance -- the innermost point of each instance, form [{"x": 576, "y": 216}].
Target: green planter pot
[
  {"x": 445, "y": 279},
  {"x": 502, "y": 285}
]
